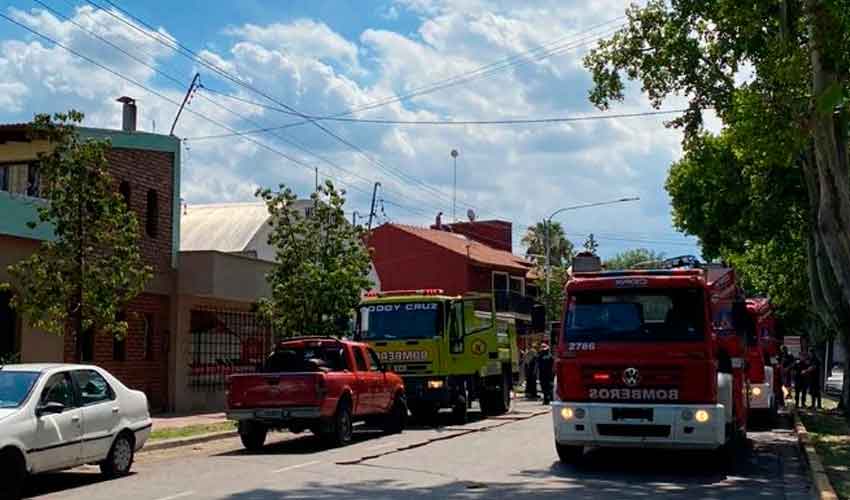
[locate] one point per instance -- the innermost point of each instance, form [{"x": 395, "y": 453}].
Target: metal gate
[{"x": 224, "y": 343}]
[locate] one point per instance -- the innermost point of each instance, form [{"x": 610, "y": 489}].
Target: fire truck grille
[
  {"x": 652, "y": 376},
  {"x": 625, "y": 430}
]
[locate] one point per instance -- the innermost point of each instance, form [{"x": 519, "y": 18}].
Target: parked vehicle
[
  {"x": 58, "y": 416},
  {"x": 764, "y": 370},
  {"x": 651, "y": 358},
  {"x": 450, "y": 350},
  {"x": 317, "y": 383}
]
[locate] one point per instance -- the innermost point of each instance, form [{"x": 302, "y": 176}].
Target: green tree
[
  {"x": 321, "y": 265},
  {"x": 82, "y": 279},
  {"x": 534, "y": 239},
  {"x": 778, "y": 74},
  {"x": 590, "y": 244},
  {"x": 628, "y": 258}
]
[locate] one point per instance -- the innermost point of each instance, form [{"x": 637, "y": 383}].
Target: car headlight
[
  {"x": 435, "y": 384},
  {"x": 567, "y": 413},
  {"x": 702, "y": 416},
  {"x": 756, "y": 391}
]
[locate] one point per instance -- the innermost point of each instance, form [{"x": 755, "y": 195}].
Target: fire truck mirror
[{"x": 455, "y": 329}]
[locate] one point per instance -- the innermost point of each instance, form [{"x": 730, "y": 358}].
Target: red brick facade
[{"x": 144, "y": 172}]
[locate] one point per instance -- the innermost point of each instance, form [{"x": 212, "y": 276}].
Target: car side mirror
[{"x": 51, "y": 408}]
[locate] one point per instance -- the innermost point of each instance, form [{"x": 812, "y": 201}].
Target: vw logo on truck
[{"x": 631, "y": 377}]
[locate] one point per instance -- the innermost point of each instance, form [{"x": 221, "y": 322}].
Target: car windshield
[
  {"x": 305, "y": 358},
  {"x": 15, "y": 387},
  {"x": 635, "y": 315},
  {"x": 411, "y": 320}
]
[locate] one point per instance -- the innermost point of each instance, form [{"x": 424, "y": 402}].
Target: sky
[{"x": 264, "y": 65}]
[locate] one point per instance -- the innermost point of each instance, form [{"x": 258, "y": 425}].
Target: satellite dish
[{"x": 471, "y": 215}]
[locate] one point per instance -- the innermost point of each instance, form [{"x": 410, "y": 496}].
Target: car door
[
  {"x": 101, "y": 413},
  {"x": 57, "y": 439},
  {"x": 381, "y": 396},
  {"x": 363, "y": 384}
]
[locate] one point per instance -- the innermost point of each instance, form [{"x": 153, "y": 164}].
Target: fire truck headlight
[
  {"x": 435, "y": 384},
  {"x": 756, "y": 391},
  {"x": 567, "y": 413},
  {"x": 687, "y": 415},
  {"x": 580, "y": 413},
  {"x": 702, "y": 416}
]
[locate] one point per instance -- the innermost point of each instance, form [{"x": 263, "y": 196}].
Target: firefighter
[{"x": 545, "y": 370}]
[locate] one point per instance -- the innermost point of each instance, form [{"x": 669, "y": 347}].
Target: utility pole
[
  {"x": 192, "y": 87},
  {"x": 316, "y": 169},
  {"x": 372, "y": 210},
  {"x": 454, "y": 154}
]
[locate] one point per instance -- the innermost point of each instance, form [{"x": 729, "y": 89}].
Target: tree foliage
[
  {"x": 628, "y": 258},
  {"x": 82, "y": 279},
  {"x": 321, "y": 265},
  {"x": 534, "y": 239}
]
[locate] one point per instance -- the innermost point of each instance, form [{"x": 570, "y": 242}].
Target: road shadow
[
  {"x": 54, "y": 482},
  {"x": 304, "y": 444}
]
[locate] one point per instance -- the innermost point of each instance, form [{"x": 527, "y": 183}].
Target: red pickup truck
[{"x": 317, "y": 383}]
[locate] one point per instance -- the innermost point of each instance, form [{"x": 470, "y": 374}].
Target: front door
[
  {"x": 101, "y": 413},
  {"x": 363, "y": 398},
  {"x": 381, "y": 396},
  {"x": 57, "y": 440}
]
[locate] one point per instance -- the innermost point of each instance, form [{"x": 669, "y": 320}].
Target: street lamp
[
  {"x": 548, "y": 222},
  {"x": 454, "y": 154}
]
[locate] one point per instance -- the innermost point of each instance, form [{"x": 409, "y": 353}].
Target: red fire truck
[
  {"x": 764, "y": 371},
  {"x": 651, "y": 358}
]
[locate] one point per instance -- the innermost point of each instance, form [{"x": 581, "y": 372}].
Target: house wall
[
  {"x": 493, "y": 233},
  {"x": 404, "y": 261}
]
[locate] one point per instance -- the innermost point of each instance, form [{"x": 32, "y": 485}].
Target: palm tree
[{"x": 560, "y": 248}]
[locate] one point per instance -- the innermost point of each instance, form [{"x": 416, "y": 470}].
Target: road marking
[
  {"x": 385, "y": 445},
  {"x": 299, "y": 466},
  {"x": 178, "y": 495}
]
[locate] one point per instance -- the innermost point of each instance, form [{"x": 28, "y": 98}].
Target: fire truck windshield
[
  {"x": 412, "y": 320},
  {"x": 635, "y": 315}
]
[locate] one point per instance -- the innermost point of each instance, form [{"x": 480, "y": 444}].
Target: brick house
[{"x": 146, "y": 169}]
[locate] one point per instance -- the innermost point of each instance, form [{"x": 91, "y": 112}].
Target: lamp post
[
  {"x": 548, "y": 223},
  {"x": 454, "y": 154}
]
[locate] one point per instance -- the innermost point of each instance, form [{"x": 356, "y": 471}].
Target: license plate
[
  {"x": 270, "y": 414},
  {"x": 632, "y": 413}
]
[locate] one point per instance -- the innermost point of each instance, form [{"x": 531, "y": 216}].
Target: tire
[
  {"x": 568, "y": 454},
  {"x": 13, "y": 474},
  {"x": 120, "y": 459},
  {"x": 253, "y": 435},
  {"x": 460, "y": 413},
  {"x": 341, "y": 428},
  {"x": 426, "y": 414},
  {"x": 498, "y": 402},
  {"x": 396, "y": 420}
]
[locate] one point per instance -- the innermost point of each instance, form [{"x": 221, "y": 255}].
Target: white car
[{"x": 58, "y": 416}]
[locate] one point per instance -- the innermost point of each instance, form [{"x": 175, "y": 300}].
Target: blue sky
[{"x": 324, "y": 57}]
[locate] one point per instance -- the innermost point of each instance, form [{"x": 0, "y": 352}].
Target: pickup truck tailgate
[{"x": 275, "y": 390}]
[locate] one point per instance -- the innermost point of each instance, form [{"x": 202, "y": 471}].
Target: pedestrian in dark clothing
[
  {"x": 801, "y": 379},
  {"x": 531, "y": 374},
  {"x": 814, "y": 381},
  {"x": 546, "y": 372},
  {"x": 787, "y": 361}
]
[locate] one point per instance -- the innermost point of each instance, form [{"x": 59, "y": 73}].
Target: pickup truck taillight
[{"x": 321, "y": 388}]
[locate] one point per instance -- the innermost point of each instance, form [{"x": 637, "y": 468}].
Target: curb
[
  {"x": 821, "y": 487},
  {"x": 166, "y": 444}
]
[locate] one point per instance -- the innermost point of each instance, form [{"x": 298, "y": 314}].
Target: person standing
[
  {"x": 546, "y": 372},
  {"x": 801, "y": 379},
  {"x": 531, "y": 373},
  {"x": 814, "y": 381},
  {"x": 787, "y": 361}
]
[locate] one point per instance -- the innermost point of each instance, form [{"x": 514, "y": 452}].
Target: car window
[
  {"x": 374, "y": 362},
  {"x": 93, "y": 387},
  {"x": 59, "y": 389},
  {"x": 360, "y": 360}
]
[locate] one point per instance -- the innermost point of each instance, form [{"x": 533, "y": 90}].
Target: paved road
[{"x": 494, "y": 458}]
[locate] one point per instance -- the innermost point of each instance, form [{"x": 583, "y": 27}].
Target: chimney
[{"x": 128, "y": 115}]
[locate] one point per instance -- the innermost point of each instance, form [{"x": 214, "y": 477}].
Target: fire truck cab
[{"x": 650, "y": 358}]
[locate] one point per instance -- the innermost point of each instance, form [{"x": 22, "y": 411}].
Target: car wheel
[
  {"x": 342, "y": 427},
  {"x": 253, "y": 435},
  {"x": 120, "y": 459},
  {"x": 13, "y": 472},
  {"x": 396, "y": 419},
  {"x": 569, "y": 454}
]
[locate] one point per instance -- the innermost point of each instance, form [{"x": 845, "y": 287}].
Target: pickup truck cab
[{"x": 317, "y": 383}]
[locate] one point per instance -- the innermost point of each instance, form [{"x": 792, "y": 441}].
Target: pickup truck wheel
[
  {"x": 13, "y": 474},
  {"x": 253, "y": 435},
  {"x": 569, "y": 454},
  {"x": 120, "y": 458},
  {"x": 342, "y": 427},
  {"x": 396, "y": 419}
]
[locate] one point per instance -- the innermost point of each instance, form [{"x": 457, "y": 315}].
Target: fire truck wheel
[
  {"x": 253, "y": 435},
  {"x": 426, "y": 414},
  {"x": 498, "y": 401},
  {"x": 459, "y": 411},
  {"x": 569, "y": 454}
]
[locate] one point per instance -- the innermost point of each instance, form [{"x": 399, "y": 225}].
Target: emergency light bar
[{"x": 397, "y": 293}]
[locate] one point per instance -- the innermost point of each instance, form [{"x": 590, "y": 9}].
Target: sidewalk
[{"x": 174, "y": 421}]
